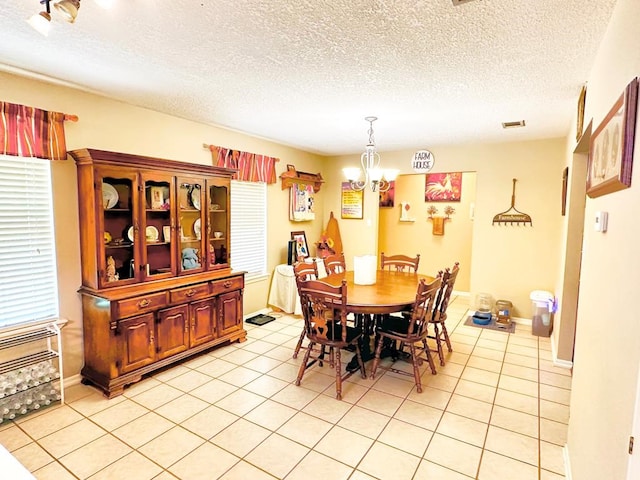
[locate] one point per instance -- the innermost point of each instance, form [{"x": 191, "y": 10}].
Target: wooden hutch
[{"x": 157, "y": 285}]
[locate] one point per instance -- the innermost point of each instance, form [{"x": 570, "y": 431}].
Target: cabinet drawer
[
  {"x": 186, "y": 294},
  {"x": 142, "y": 304},
  {"x": 227, "y": 285}
]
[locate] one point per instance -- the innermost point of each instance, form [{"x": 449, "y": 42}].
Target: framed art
[
  {"x": 302, "y": 249},
  {"x": 565, "y": 183},
  {"x": 387, "y": 199},
  {"x": 352, "y": 204},
  {"x": 443, "y": 187},
  {"x": 611, "y": 146},
  {"x": 580, "y": 114}
]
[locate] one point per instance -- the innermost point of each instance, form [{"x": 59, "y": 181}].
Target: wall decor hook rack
[{"x": 512, "y": 216}]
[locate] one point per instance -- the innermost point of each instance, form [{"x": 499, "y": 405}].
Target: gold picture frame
[
  {"x": 582, "y": 99},
  {"x": 611, "y": 146}
]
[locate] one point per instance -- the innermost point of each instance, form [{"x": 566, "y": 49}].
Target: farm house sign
[{"x": 422, "y": 161}]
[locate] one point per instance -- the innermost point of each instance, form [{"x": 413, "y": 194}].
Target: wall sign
[
  {"x": 352, "y": 202},
  {"x": 422, "y": 161}
]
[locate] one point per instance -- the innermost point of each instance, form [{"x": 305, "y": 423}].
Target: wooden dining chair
[
  {"x": 412, "y": 333},
  {"x": 399, "y": 263},
  {"x": 439, "y": 315},
  {"x": 324, "y": 308},
  {"x": 303, "y": 271},
  {"x": 334, "y": 263}
]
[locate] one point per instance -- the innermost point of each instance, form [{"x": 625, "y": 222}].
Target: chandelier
[{"x": 374, "y": 176}]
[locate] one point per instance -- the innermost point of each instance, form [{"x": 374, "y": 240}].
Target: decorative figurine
[
  {"x": 190, "y": 258},
  {"x": 112, "y": 276}
]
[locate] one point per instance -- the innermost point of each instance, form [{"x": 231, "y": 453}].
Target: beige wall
[
  {"x": 500, "y": 255},
  {"x": 110, "y": 125},
  {"x": 436, "y": 252},
  {"x": 607, "y": 350}
]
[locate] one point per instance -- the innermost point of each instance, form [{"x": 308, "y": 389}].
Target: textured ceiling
[{"x": 305, "y": 73}]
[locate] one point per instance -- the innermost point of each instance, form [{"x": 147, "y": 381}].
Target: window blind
[
  {"x": 249, "y": 228},
  {"x": 28, "y": 279}
]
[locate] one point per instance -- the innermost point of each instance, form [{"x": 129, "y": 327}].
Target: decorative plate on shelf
[
  {"x": 195, "y": 198},
  {"x": 130, "y": 234},
  {"x": 151, "y": 233},
  {"x": 197, "y": 228},
  {"x": 109, "y": 195}
]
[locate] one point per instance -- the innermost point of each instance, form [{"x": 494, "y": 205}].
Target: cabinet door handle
[
  {"x": 190, "y": 293},
  {"x": 227, "y": 284},
  {"x": 144, "y": 303},
  {"x": 151, "y": 339}
]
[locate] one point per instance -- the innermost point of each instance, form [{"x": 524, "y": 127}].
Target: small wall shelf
[{"x": 292, "y": 176}]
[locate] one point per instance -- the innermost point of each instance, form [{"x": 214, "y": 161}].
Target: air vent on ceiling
[
  {"x": 513, "y": 124},
  {"x": 460, "y": 2}
]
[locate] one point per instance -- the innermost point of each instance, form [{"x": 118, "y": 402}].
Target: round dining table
[{"x": 392, "y": 292}]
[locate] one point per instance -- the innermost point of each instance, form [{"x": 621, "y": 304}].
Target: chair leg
[
  {"x": 376, "y": 359},
  {"x": 363, "y": 372},
  {"x": 446, "y": 337},
  {"x": 336, "y": 353},
  {"x": 439, "y": 344},
  {"x": 427, "y": 352},
  {"x": 416, "y": 370},
  {"x": 299, "y": 345},
  {"x": 303, "y": 365}
]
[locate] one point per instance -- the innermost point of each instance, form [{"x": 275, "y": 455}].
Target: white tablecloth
[{"x": 284, "y": 293}]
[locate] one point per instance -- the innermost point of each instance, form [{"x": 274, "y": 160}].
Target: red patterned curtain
[
  {"x": 31, "y": 132},
  {"x": 251, "y": 167}
]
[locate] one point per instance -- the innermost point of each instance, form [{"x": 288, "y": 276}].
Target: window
[
  {"x": 28, "y": 280},
  {"x": 249, "y": 228}
]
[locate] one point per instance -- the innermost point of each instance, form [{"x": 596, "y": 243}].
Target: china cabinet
[{"x": 157, "y": 285}]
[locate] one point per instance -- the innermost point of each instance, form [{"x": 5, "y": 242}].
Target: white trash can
[{"x": 544, "y": 306}]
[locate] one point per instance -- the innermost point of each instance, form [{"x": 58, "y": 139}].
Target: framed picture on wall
[
  {"x": 387, "y": 198},
  {"x": 565, "y": 183},
  {"x": 352, "y": 202},
  {"x": 611, "y": 146},
  {"x": 302, "y": 249},
  {"x": 443, "y": 187},
  {"x": 580, "y": 114}
]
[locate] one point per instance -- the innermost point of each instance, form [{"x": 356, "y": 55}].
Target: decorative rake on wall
[{"x": 512, "y": 215}]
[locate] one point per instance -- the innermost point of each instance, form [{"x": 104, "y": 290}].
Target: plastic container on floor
[{"x": 544, "y": 306}]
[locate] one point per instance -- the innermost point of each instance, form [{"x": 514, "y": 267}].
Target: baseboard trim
[
  {"x": 558, "y": 362},
  {"x": 72, "y": 380},
  {"x": 567, "y": 462},
  {"x": 522, "y": 321}
]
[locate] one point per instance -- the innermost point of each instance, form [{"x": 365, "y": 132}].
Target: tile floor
[{"x": 497, "y": 410}]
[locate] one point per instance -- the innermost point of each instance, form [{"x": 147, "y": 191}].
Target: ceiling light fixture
[
  {"x": 41, "y": 21},
  {"x": 374, "y": 176},
  {"x": 68, "y": 9}
]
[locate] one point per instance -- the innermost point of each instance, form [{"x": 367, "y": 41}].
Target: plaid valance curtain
[
  {"x": 251, "y": 166},
  {"x": 31, "y": 132}
]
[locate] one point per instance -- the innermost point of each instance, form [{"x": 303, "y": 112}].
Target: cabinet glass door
[
  {"x": 218, "y": 225},
  {"x": 118, "y": 256},
  {"x": 191, "y": 225},
  {"x": 156, "y": 229}
]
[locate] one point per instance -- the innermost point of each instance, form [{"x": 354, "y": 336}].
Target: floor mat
[
  {"x": 260, "y": 319},
  {"x": 511, "y": 328}
]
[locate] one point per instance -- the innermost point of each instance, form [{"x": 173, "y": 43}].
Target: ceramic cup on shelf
[
  {"x": 217, "y": 234},
  {"x": 166, "y": 233}
]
